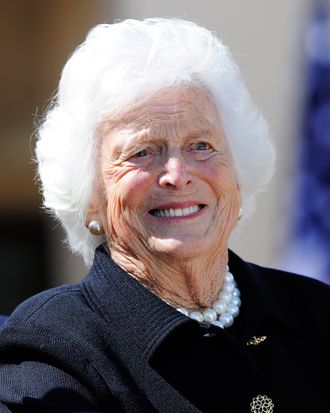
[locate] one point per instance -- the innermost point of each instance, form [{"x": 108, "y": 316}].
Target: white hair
[{"x": 115, "y": 65}]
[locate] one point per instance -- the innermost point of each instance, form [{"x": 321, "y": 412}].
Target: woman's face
[{"x": 168, "y": 178}]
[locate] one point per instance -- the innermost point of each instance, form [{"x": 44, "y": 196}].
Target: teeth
[{"x": 180, "y": 212}]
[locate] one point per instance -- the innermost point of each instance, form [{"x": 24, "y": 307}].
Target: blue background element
[{"x": 312, "y": 219}]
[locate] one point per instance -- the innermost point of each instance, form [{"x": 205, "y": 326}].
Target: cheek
[
  {"x": 221, "y": 179},
  {"x": 125, "y": 197},
  {"x": 134, "y": 186}
]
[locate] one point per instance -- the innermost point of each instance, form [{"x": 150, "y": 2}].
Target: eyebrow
[{"x": 147, "y": 137}]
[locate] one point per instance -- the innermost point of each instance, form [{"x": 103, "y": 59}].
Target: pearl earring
[
  {"x": 95, "y": 227},
  {"x": 240, "y": 214}
]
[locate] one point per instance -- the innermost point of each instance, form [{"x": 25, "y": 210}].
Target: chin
[{"x": 178, "y": 249}]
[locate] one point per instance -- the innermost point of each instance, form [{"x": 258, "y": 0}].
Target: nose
[{"x": 176, "y": 173}]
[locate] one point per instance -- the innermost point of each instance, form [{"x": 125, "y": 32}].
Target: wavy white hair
[{"x": 115, "y": 65}]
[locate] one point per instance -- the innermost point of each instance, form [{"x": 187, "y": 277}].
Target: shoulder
[
  {"x": 48, "y": 304},
  {"x": 56, "y": 324},
  {"x": 277, "y": 278},
  {"x": 292, "y": 283},
  {"x": 299, "y": 300},
  {"x": 63, "y": 313},
  {"x": 280, "y": 281},
  {"x": 42, "y": 354}
]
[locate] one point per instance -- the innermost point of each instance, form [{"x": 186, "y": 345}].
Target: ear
[
  {"x": 239, "y": 193},
  {"x": 239, "y": 198},
  {"x": 94, "y": 211},
  {"x": 94, "y": 220},
  {"x": 92, "y": 215}
]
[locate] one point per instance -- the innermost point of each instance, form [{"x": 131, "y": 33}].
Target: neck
[{"x": 182, "y": 283}]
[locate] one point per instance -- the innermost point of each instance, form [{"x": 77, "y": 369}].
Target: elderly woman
[{"x": 150, "y": 155}]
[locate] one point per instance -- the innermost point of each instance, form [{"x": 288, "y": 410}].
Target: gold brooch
[
  {"x": 254, "y": 341},
  {"x": 262, "y": 404}
]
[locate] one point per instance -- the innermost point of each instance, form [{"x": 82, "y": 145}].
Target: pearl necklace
[{"x": 225, "y": 308}]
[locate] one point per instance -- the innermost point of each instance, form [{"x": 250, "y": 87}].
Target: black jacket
[{"x": 109, "y": 344}]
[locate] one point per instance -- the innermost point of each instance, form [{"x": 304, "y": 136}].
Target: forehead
[{"x": 180, "y": 105}]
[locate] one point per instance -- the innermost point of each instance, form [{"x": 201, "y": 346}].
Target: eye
[
  {"x": 146, "y": 154},
  {"x": 201, "y": 150},
  {"x": 141, "y": 154},
  {"x": 142, "y": 157},
  {"x": 202, "y": 146}
]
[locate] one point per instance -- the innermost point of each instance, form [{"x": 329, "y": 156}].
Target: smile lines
[{"x": 177, "y": 212}]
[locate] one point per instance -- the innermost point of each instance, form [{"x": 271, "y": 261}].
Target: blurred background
[{"x": 283, "y": 50}]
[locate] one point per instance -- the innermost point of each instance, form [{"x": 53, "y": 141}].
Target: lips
[{"x": 176, "y": 212}]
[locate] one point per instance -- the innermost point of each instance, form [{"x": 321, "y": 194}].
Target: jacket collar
[
  {"x": 137, "y": 322},
  {"x": 140, "y": 321},
  {"x": 265, "y": 300}
]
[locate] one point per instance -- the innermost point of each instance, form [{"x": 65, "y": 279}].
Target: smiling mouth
[{"x": 176, "y": 212}]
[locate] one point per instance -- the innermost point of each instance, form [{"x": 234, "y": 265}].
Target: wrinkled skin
[{"x": 168, "y": 152}]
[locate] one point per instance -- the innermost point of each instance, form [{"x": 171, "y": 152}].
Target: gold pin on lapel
[{"x": 254, "y": 341}]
